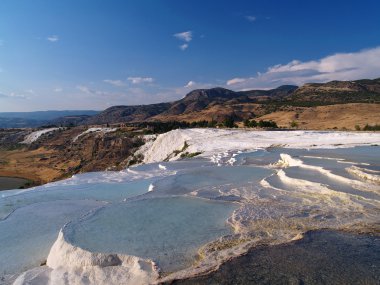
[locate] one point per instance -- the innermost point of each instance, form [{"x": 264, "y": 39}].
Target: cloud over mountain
[{"x": 339, "y": 66}]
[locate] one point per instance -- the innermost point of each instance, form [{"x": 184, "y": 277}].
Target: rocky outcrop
[{"x": 66, "y": 151}]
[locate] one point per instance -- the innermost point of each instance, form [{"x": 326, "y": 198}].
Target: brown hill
[
  {"x": 339, "y": 116},
  {"x": 220, "y": 103},
  {"x": 200, "y": 100},
  {"x": 57, "y": 155},
  {"x": 118, "y": 114},
  {"x": 339, "y": 92}
]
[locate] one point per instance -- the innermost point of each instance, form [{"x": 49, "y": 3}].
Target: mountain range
[
  {"x": 39, "y": 118},
  {"x": 219, "y": 103}
]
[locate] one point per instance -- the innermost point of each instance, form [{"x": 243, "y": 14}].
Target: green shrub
[
  {"x": 260, "y": 124},
  {"x": 229, "y": 123},
  {"x": 267, "y": 124},
  {"x": 371, "y": 128},
  {"x": 190, "y": 155},
  {"x": 163, "y": 127}
]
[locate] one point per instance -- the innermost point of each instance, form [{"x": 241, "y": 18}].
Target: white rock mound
[
  {"x": 32, "y": 137},
  {"x": 94, "y": 130},
  {"x": 68, "y": 264},
  {"x": 213, "y": 141}
]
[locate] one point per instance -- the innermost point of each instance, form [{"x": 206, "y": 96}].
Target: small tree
[
  {"x": 293, "y": 124},
  {"x": 267, "y": 124},
  {"x": 229, "y": 122},
  {"x": 371, "y": 128},
  {"x": 357, "y": 127},
  {"x": 212, "y": 124}
]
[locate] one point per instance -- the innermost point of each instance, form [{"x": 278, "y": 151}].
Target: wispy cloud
[
  {"x": 53, "y": 38},
  {"x": 116, "y": 82},
  {"x": 184, "y": 46},
  {"x": 251, "y": 18},
  {"x": 185, "y": 37},
  {"x": 236, "y": 81},
  {"x": 139, "y": 80},
  {"x": 13, "y": 95},
  {"x": 84, "y": 89},
  {"x": 340, "y": 66},
  {"x": 57, "y": 89},
  {"x": 190, "y": 84},
  {"x": 87, "y": 90}
]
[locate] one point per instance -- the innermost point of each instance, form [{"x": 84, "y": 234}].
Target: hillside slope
[
  {"x": 220, "y": 103},
  {"x": 339, "y": 116},
  {"x": 119, "y": 114},
  {"x": 339, "y": 92}
]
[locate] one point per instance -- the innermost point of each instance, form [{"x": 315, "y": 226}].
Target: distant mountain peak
[{"x": 218, "y": 101}]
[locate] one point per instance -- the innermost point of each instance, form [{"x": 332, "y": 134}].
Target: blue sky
[{"x": 92, "y": 54}]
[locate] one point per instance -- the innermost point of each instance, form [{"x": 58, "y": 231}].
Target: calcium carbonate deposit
[
  {"x": 202, "y": 197},
  {"x": 34, "y": 136}
]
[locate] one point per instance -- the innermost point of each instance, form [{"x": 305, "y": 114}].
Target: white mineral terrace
[
  {"x": 174, "y": 219},
  {"x": 32, "y": 137},
  {"x": 213, "y": 141}
]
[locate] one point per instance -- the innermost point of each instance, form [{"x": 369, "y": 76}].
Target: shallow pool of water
[
  {"x": 171, "y": 222},
  {"x": 27, "y": 235},
  {"x": 7, "y": 183},
  {"x": 209, "y": 177},
  {"x": 167, "y": 230},
  {"x": 95, "y": 191}
]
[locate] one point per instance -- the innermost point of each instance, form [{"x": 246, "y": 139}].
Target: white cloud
[
  {"x": 53, "y": 38},
  {"x": 184, "y": 46},
  {"x": 340, "y": 66},
  {"x": 13, "y": 95},
  {"x": 84, "y": 89},
  {"x": 251, "y": 18},
  {"x": 88, "y": 90},
  {"x": 139, "y": 80},
  {"x": 235, "y": 81},
  {"x": 58, "y": 89},
  {"x": 117, "y": 83},
  {"x": 190, "y": 84},
  {"x": 184, "y": 36}
]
